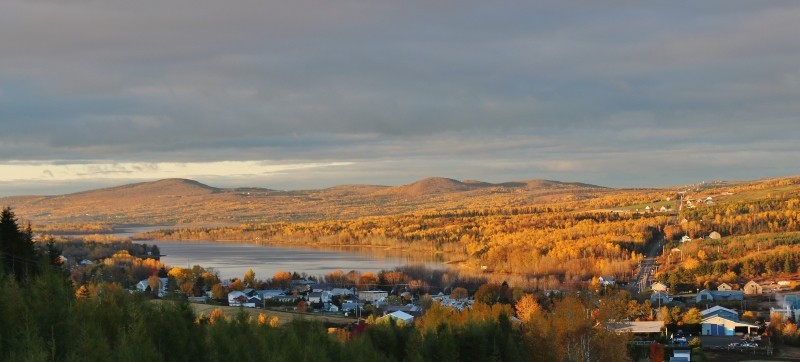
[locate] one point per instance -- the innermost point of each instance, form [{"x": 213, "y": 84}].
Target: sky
[{"x": 315, "y": 93}]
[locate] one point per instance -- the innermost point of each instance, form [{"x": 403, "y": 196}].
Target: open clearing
[{"x": 283, "y": 316}]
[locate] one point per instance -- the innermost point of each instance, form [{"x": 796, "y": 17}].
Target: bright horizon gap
[{"x": 10, "y": 172}]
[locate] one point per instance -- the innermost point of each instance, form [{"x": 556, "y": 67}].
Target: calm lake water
[{"x": 234, "y": 259}]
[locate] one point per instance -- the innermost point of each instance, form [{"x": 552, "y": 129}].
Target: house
[
  {"x": 351, "y": 307},
  {"x": 162, "y": 288},
  {"x": 646, "y": 327},
  {"x": 341, "y": 291},
  {"x": 607, "y": 280},
  {"x": 440, "y": 297},
  {"x": 318, "y": 297},
  {"x": 408, "y": 308},
  {"x": 333, "y": 308},
  {"x": 647, "y": 209},
  {"x": 372, "y": 295},
  {"x": 237, "y": 298},
  {"x": 660, "y": 298},
  {"x": 287, "y": 298},
  {"x": 664, "y": 209},
  {"x": 253, "y": 302},
  {"x": 319, "y": 287},
  {"x": 270, "y": 293},
  {"x": 317, "y": 306},
  {"x": 752, "y": 288},
  {"x": 722, "y": 312},
  {"x": 86, "y": 262},
  {"x": 659, "y": 287},
  {"x": 401, "y": 316},
  {"x": 719, "y": 326},
  {"x": 706, "y": 295},
  {"x": 724, "y": 287},
  {"x": 686, "y": 239}
]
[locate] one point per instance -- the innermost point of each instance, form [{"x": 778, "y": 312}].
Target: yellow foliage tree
[{"x": 217, "y": 315}]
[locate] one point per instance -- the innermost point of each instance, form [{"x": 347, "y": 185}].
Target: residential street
[{"x": 647, "y": 268}]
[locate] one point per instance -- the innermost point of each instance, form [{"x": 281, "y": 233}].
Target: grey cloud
[{"x": 438, "y": 83}]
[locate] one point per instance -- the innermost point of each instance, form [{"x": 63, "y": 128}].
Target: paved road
[{"x": 647, "y": 268}]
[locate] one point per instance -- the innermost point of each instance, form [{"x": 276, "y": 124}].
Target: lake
[{"x": 234, "y": 259}]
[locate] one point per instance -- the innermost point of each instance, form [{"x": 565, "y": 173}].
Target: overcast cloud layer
[{"x": 310, "y": 94}]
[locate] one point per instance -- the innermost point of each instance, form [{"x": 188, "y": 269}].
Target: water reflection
[{"x": 234, "y": 259}]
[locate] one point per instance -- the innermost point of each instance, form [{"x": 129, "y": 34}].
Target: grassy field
[
  {"x": 759, "y": 194},
  {"x": 283, "y": 316}
]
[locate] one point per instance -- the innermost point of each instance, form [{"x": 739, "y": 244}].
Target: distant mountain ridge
[
  {"x": 183, "y": 201},
  {"x": 439, "y": 185}
]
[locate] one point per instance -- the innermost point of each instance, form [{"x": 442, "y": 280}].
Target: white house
[
  {"x": 319, "y": 297},
  {"x": 237, "y": 298},
  {"x": 607, "y": 280},
  {"x": 372, "y": 295},
  {"x": 162, "y": 287}
]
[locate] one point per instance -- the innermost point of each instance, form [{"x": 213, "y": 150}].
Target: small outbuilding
[{"x": 752, "y": 288}]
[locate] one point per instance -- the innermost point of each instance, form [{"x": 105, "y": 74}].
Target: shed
[{"x": 752, "y": 288}]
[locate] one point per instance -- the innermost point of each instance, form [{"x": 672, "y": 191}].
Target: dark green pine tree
[{"x": 17, "y": 253}]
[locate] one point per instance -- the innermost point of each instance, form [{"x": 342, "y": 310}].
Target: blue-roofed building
[
  {"x": 722, "y": 312},
  {"x": 706, "y": 296},
  {"x": 660, "y": 298}
]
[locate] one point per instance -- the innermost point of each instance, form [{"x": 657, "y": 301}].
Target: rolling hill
[{"x": 181, "y": 201}]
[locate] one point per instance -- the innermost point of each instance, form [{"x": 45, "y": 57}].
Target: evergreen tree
[{"x": 19, "y": 258}]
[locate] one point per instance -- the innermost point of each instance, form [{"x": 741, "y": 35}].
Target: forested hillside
[
  {"x": 178, "y": 201},
  {"x": 537, "y": 243}
]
